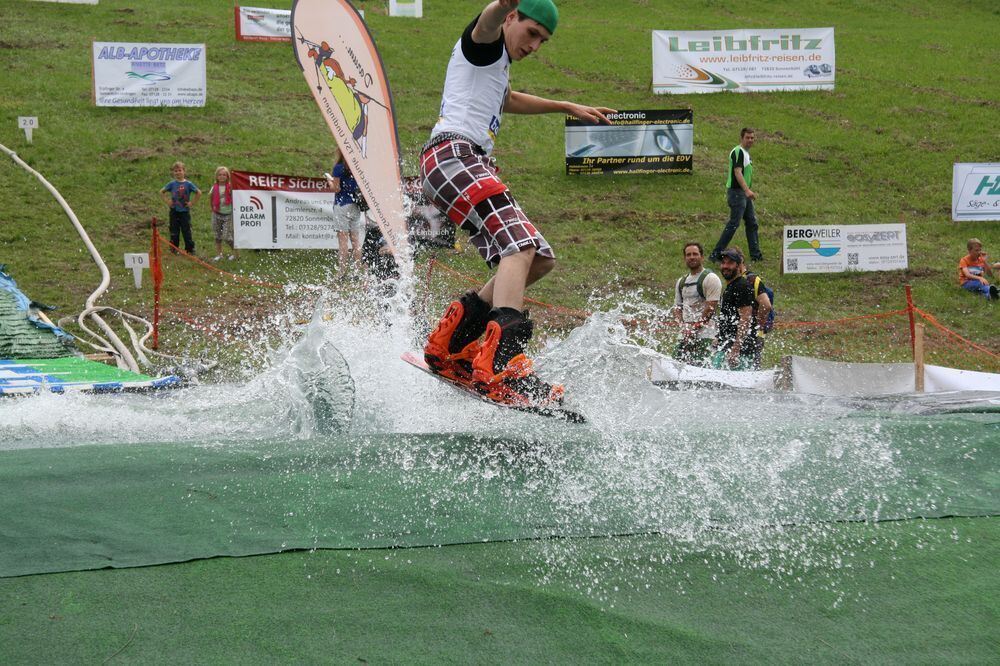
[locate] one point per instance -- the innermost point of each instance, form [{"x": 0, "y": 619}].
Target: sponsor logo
[
  {"x": 348, "y": 84},
  {"x": 150, "y": 73},
  {"x": 988, "y": 187},
  {"x": 690, "y": 75},
  {"x": 827, "y": 250},
  {"x": 791, "y": 42},
  {"x": 256, "y": 203}
]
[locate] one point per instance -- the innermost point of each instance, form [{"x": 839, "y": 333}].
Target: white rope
[{"x": 110, "y": 344}]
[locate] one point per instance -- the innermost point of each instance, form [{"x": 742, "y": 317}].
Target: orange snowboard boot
[
  {"x": 453, "y": 344},
  {"x": 502, "y": 372}
]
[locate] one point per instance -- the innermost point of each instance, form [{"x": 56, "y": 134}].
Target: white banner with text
[
  {"x": 147, "y": 74},
  {"x": 842, "y": 247},
  {"x": 273, "y": 211},
  {"x": 257, "y": 24},
  {"x": 743, "y": 60},
  {"x": 975, "y": 192}
]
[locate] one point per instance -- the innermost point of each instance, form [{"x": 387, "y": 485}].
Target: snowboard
[{"x": 416, "y": 359}]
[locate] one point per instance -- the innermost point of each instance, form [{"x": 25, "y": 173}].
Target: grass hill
[{"x": 913, "y": 96}]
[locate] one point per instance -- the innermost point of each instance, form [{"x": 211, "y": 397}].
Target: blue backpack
[{"x": 757, "y": 284}]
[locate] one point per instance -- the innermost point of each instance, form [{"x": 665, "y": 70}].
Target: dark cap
[{"x": 734, "y": 254}]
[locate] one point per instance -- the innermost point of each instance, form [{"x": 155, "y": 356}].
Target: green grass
[{"x": 914, "y": 94}]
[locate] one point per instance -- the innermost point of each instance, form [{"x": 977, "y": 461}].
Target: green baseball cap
[{"x": 542, "y": 11}]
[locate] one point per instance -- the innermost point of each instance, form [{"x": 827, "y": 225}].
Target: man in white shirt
[
  {"x": 696, "y": 297},
  {"x": 459, "y": 177}
]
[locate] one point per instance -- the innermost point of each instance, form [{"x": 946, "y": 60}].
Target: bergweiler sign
[
  {"x": 743, "y": 60},
  {"x": 975, "y": 192},
  {"x": 839, "y": 248}
]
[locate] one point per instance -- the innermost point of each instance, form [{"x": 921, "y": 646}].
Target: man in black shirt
[{"x": 738, "y": 325}]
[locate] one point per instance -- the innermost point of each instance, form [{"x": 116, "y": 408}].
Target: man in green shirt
[{"x": 740, "y": 198}]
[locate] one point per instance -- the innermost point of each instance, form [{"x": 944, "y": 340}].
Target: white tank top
[{"x": 473, "y": 98}]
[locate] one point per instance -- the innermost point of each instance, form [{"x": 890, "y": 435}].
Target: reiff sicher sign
[
  {"x": 642, "y": 141},
  {"x": 743, "y": 60},
  {"x": 842, "y": 247},
  {"x": 278, "y": 211}
]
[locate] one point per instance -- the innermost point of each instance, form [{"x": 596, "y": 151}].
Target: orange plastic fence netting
[
  {"x": 207, "y": 266},
  {"x": 956, "y": 339}
]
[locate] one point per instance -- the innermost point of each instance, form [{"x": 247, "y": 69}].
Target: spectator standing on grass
[
  {"x": 221, "y": 195},
  {"x": 347, "y": 220},
  {"x": 762, "y": 307},
  {"x": 740, "y": 198},
  {"x": 696, "y": 297},
  {"x": 973, "y": 269},
  {"x": 736, "y": 343},
  {"x": 177, "y": 196}
]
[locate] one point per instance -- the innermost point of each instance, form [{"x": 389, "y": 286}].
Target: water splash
[{"x": 755, "y": 476}]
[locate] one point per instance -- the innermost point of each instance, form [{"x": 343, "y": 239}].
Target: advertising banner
[
  {"x": 656, "y": 141},
  {"x": 256, "y": 24},
  {"x": 743, "y": 60},
  {"x": 841, "y": 247},
  {"x": 344, "y": 72},
  {"x": 412, "y": 8},
  {"x": 147, "y": 74},
  {"x": 975, "y": 192},
  {"x": 273, "y": 211}
]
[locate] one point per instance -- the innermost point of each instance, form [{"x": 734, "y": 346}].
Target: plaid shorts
[{"x": 462, "y": 183}]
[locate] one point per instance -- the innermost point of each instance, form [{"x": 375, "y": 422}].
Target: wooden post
[
  {"x": 918, "y": 358},
  {"x": 783, "y": 380}
]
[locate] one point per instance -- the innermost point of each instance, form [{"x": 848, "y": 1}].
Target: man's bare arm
[
  {"x": 709, "y": 310},
  {"x": 490, "y": 22},
  {"x": 763, "y": 309},
  {"x": 518, "y": 102},
  {"x": 738, "y": 172}
]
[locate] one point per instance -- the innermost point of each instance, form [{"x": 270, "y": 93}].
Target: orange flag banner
[{"x": 344, "y": 71}]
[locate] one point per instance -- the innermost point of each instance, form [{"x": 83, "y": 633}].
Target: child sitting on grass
[{"x": 973, "y": 269}]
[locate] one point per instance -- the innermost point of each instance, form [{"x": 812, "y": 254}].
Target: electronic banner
[
  {"x": 839, "y": 248},
  {"x": 975, "y": 192},
  {"x": 256, "y": 24},
  {"x": 743, "y": 60},
  {"x": 145, "y": 74},
  {"x": 273, "y": 211},
  {"x": 657, "y": 141}
]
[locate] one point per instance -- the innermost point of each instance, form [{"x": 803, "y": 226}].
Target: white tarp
[
  {"x": 835, "y": 378},
  {"x": 259, "y": 24},
  {"x": 669, "y": 372},
  {"x": 842, "y": 247},
  {"x": 743, "y": 60},
  {"x": 826, "y": 378},
  {"x": 975, "y": 192},
  {"x": 148, "y": 74}
]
